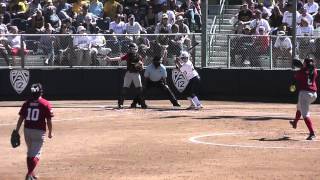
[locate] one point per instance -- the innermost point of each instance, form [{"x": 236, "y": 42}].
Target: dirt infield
[{"x": 225, "y": 140}]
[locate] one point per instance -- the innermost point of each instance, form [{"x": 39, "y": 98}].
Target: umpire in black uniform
[{"x": 155, "y": 77}]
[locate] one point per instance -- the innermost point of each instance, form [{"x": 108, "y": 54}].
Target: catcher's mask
[
  {"x": 133, "y": 48},
  {"x": 36, "y": 90},
  {"x": 184, "y": 56}
]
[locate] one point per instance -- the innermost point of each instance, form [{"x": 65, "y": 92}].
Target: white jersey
[{"x": 188, "y": 70}]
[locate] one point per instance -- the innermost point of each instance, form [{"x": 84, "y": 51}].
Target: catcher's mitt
[
  {"x": 138, "y": 66},
  {"x": 15, "y": 139}
]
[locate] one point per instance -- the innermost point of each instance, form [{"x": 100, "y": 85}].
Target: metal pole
[
  {"x": 228, "y": 55},
  {"x": 294, "y": 25},
  {"x": 204, "y": 35},
  {"x": 271, "y": 55},
  {"x": 22, "y": 51}
]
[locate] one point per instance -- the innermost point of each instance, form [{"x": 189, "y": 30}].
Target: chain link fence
[
  {"x": 77, "y": 50},
  {"x": 262, "y": 52}
]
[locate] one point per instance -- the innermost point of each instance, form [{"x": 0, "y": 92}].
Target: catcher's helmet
[
  {"x": 133, "y": 48},
  {"x": 36, "y": 90},
  {"x": 184, "y": 56}
]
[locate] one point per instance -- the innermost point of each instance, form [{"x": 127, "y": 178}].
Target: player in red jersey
[
  {"x": 36, "y": 113},
  {"x": 307, "y": 86}
]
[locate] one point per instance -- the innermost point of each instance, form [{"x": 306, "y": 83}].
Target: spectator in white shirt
[
  {"x": 304, "y": 43},
  {"x": 287, "y": 18},
  {"x": 82, "y": 46},
  {"x": 305, "y": 14},
  {"x": 171, "y": 15},
  {"x": 305, "y": 29},
  {"x": 133, "y": 27},
  {"x": 98, "y": 43},
  {"x": 117, "y": 26},
  {"x": 282, "y": 47},
  {"x": 163, "y": 24},
  {"x": 254, "y": 24},
  {"x": 312, "y": 7}
]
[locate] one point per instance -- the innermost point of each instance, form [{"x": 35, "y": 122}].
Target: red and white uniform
[
  {"x": 35, "y": 113},
  {"x": 307, "y": 90}
]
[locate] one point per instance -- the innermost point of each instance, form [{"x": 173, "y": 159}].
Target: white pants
[
  {"x": 304, "y": 100},
  {"x": 130, "y": 77},
  {"x": 34, "y": 139}
]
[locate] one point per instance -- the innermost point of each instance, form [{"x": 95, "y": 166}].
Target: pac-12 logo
[
  {"x": 179, "y": 80},
  {"x": 19, "y": 79}
]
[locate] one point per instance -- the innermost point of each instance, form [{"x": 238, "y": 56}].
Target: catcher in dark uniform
[{"x": 134, "y": 67}]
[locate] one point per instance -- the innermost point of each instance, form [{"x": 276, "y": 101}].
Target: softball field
[{"x": 225, "y": 140}]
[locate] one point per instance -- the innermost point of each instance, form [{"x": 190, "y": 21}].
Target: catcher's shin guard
[
  {"x": 140, "y": 97},
  {"x": 122, "y": 96}
]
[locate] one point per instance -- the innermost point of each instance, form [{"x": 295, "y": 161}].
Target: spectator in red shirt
[
  {"x": 36, "y": 113},
  {"x": 260, "y": 46}
]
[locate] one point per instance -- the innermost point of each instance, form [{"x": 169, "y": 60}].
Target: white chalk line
[{"x": 194, "y": 139}]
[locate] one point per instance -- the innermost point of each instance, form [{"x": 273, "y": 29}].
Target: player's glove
[
  {"x": 138, "y": 66},
  {"x": 15, "y": 139}
]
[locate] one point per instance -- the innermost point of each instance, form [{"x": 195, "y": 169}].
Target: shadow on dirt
[
  {"x": 286, "y": 138},
  {"x": 247, "y": 118},
  {"x": 169, "y": 117}
]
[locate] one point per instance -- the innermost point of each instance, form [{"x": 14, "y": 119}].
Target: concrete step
[
  {"x": 224, "y": 31},
  {"x": 218, "y": 54},
  {"x": 218, "y": 36},
  {"x": 219, "y": 43},
  {"x": 218, "y": 59},
  {"x": 220, "y": 48},
  {"x": 232, "y": 7},
  {"x": 231, "y": 11},
  {"x": 228, "y": 16},
  {"x": 226, "y": 27},
  {"x": 217, "y": 64}
]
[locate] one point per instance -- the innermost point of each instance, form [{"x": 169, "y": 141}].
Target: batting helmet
[
  {"x": 36, "y": 90},
  {"x": 133, "y": 48},
  {"x": 184, "y": 56}
]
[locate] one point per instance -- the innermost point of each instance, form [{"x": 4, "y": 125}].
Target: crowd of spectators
[
  {"x": 94, "y": 17},
  {"x": 276, "y": 18}
]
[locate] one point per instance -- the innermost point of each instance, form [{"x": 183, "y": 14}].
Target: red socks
[
  {"x": 308, "y": 122},
  {"x": 31, "y": 164},
  {"x": 297, "y": 118}
]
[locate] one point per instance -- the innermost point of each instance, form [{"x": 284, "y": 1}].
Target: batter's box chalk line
[{"x": 264, "y": 142}]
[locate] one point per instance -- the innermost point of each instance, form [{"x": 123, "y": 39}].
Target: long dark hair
[{"x": 309, "y": 67}]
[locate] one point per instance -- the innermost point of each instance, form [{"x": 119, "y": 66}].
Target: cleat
[
  {"x": 144, "y": 106},
  {"x": 176, "y": 104},
  {"x": 311, "y": 137},
  {"x": 294, "y": 125},
  {"x": 198, "y": 107},
  {"x": 120, "y": 106},
  {"x": 133, "y": 105},
  {"x": 191, "y": 107}
]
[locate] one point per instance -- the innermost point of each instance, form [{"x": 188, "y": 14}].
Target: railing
[
  {"x": 60, "y": 51},
  {"x": 90, "y": 50},
  {"x": 213, "y": 27},
  {"x": 262, "y": 52}
]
